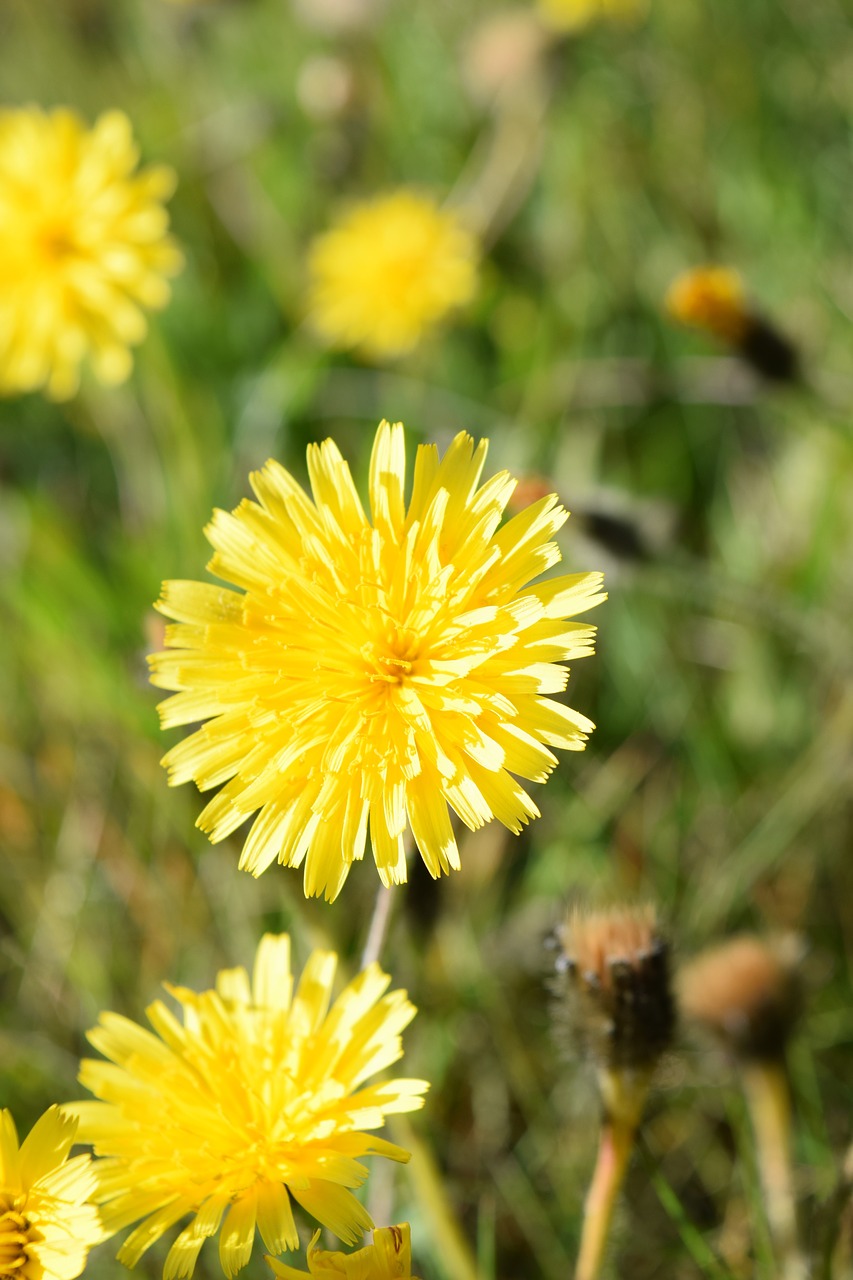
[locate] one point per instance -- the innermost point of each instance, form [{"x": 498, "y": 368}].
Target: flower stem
[
  {"x": 378, "y": 926},
  {"x": 768, "y": 1097},
  {"x": 614, "y": 1151}
]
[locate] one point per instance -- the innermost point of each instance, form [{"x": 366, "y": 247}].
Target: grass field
[{"x": 717, "y": 783}]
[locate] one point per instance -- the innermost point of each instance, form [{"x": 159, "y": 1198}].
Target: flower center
[
  {"x": 54, "y": 242},
  {"x": 14, "y": 1238},
  {"x": 392, "y": 657}
]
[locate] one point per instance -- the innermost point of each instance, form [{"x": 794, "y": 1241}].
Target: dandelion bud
[
  {"x": 714, "y": 299},
  {"x": 747, "y": 993},
  {"x": 616, "y": 986}
]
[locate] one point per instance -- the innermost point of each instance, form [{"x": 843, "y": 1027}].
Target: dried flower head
[
  {"x": 371, "y": 673},
  {"x": 389, "y": 1257},
  {"x": 714, "y": 299},
  {"x": 47, "y": 1223},
  {"x": 747, "y": 992},
  {"x": 83, "y": 248},
  {"x": 614, "y": 976},
  {"x": 388, "y": 272},
  {"x": 256, "y": 1096}
]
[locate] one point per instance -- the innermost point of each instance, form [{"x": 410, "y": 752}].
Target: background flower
[
  {"x": 389, "y": 1257},
  {"x": 253, "y": 1099},
  {"x": 388, "y": 271},
  {"x": 47, "y": 1226},
  {"x": 83, "y": 248},
  {"x": 374, "y": 672}
]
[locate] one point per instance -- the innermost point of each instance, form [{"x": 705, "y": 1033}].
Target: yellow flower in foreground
[
  {"x": 713, "y": 299},
  {"x": 46, "y": 1225},
  {"x": 374, "y": 672},
  {"x": 573, "y": 15},
  {"x": 388, "y": 1258},
  {"x": 254, "y": 1098},
  {"x": 83, "y": 247},
  {"x": 388, "y": 271}
]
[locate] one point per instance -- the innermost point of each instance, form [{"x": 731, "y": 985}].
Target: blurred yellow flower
[
  {"x": 388, "y": 1258},
  {"x": 47, "y": 1226},
  {"x": 255, "y": 1097},
  {"x": 374, "y": 671},
  {"x": 388, "y": 272},
  {"x": 710, "y": 298},
  {"x": 573, "y": 15},
  {"x": 83, "y": 248}
]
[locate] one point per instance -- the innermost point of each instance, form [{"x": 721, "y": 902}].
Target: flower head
[
  {"x": 255, "y": 1097},
  {"x": 747, "y": 992},
  {"x": 83, "y": 248},
  {"x": 374, "y": 673},
  {"x": 573, "y": 15},
  {"x": 615, "y": 996},
  {"x": 388, "y": 272},
  {"x": 47, "y": 1226},
  {"x": 388, "y": 1258},
  {"x": 710, "y": 298}
]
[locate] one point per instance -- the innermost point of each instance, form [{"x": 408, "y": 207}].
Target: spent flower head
[
  {"x": 83, "y": 248},
  {"x": 389, "y": 1257},
  {"x": 615, "y": 996},
  {"x": 373, "y": 672},
  {"x": 387, "y": 272},
  {"x": 257, "y": 1096},
  {"x": 47, "y": 1223},
  {"x": 747, "y": 992}
]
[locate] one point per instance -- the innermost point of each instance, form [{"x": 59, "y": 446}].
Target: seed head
[
  {"x": 747, "y": 992},
  {"x": 614, "y": 980}
]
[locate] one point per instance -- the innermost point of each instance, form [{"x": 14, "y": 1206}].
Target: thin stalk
[
  {"x": 769, "y": 1100},
  {"x": 614, "y": 1152},
  {"x": 378, "y": 926}
]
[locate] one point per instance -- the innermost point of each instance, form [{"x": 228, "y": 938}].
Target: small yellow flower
[
  {"x": 388, "y": 272},
  {"x": 83, "y": 248},
  {"x": 47, "y": 1226},
  {"x": 713, "y": 299},
  {"x": 388, "y": 1258},
  {"x": 374, "y": 672},
  {"x": 255, "y": 1097},
  {"x": 574, "y": 15}
]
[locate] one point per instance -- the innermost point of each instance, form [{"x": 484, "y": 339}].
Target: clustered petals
[
  {"x": 256, "y": 1097},
  {"x": 388, "y": 272},
  {"x": 47, "y": 1223},
  {"x": 370, "y": 672},
  {"x": 389, "y": 1257},
  {"x": 84, "y": 248}
]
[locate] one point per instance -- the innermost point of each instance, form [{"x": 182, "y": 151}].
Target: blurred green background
[{"x": 718, "y": 780}]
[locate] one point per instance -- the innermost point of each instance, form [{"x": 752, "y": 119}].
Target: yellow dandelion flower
[
  {"x": 253, "y": 1099},
  {"x": 388, "y": 1258},
  {"x": 47, "y": 1226},
  {"x": 713, "y": 299},
  {"x": 83, "y": 248},
  {"x": 573, "y": 15},
  {"x": 388, "y": 272},
  {"x": 374, "y": 672}
]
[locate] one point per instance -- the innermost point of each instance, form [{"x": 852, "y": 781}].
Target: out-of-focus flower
[
  {"x": 747, "y": 992},
  {"x": 388, "y": 1258},
  {"x": 710, "y": 298},
  {"x": 255, "y": 1097},
  {"x": 565, "y": 16},
  {"x": 83, "y": 248},
  {"x": 615, "y": 996},
  {"x": 47, "y": 1225},
  {"x": 389, "y": 270},
  {"x": 338, "y": 17},
  {"x": 374, "y": 672},
  {"x": 714, "y": 299},
  {"x": 504, "y": 52}
]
